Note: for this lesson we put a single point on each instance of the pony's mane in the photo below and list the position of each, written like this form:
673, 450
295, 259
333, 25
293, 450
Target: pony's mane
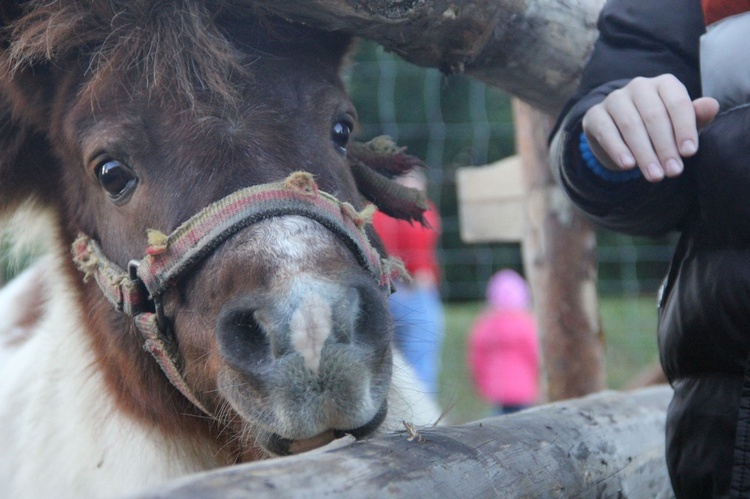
178, 48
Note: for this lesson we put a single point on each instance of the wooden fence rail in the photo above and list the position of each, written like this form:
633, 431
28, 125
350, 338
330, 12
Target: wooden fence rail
610, 444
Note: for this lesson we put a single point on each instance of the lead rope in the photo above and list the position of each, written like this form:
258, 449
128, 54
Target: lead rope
138, 291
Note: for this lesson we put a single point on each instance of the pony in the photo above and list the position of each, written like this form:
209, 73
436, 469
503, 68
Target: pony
213, 292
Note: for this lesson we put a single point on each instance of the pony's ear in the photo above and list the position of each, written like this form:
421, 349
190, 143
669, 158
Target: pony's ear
28, 91
32, 44
25, 100
27, 168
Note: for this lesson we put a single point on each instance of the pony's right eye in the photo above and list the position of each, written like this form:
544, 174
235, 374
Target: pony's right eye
115, 178
340, 132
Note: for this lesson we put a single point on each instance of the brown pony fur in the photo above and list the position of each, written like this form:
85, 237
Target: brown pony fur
184, 52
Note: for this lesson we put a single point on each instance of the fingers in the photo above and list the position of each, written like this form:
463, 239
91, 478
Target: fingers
651, 123
605, 140
682, 118
643, 121
706, 109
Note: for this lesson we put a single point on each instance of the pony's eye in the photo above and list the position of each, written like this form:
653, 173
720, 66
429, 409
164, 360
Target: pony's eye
340, 134
116, 178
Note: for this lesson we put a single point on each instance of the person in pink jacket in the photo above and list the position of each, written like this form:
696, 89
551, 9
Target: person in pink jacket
503, 346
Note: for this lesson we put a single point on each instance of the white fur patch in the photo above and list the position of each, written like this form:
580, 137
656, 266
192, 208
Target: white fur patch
19, 301
408, 399
309, 328
62, 435
294, 239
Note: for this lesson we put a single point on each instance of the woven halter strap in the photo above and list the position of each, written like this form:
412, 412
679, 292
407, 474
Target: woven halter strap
137, 292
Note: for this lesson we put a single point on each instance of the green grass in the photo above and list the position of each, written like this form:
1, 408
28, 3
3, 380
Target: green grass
629, 325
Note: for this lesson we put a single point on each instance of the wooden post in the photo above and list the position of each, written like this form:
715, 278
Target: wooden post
605, 445
559, 251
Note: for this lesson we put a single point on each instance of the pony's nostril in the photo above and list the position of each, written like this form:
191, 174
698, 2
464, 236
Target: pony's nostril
242, 341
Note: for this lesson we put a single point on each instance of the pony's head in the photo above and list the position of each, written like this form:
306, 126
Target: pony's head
196, 156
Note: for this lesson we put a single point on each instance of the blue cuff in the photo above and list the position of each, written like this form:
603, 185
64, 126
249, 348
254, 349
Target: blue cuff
598, 169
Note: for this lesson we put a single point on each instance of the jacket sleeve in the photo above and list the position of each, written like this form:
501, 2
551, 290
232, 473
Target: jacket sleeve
636, 38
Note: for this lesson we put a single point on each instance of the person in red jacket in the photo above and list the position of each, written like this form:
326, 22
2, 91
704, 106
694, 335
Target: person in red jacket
416, 306
503, 346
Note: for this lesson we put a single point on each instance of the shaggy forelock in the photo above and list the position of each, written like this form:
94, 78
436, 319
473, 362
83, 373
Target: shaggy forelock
174, 47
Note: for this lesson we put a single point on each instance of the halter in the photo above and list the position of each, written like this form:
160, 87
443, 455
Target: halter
138, 291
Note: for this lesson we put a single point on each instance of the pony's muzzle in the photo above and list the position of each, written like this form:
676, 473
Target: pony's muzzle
310, 361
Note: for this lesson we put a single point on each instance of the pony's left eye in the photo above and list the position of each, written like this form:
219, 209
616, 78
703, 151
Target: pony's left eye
115, 178
340, 133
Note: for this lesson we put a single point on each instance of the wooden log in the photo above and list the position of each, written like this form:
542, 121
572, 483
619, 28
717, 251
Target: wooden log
533, 49
559, 252
610, 444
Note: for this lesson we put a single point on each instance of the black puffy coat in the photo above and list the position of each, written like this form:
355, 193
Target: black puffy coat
704, 312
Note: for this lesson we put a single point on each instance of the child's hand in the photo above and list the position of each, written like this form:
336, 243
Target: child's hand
650, 123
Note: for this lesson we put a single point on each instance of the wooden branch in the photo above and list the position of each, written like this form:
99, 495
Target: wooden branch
609, 444
533, 49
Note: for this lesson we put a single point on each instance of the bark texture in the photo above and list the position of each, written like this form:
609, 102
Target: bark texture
606, 445
533, 49
559, 251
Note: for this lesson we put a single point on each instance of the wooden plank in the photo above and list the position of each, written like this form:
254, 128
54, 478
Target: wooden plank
491, 202
610, 444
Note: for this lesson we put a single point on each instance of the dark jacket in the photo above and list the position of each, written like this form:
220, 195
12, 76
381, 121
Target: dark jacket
704, 312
